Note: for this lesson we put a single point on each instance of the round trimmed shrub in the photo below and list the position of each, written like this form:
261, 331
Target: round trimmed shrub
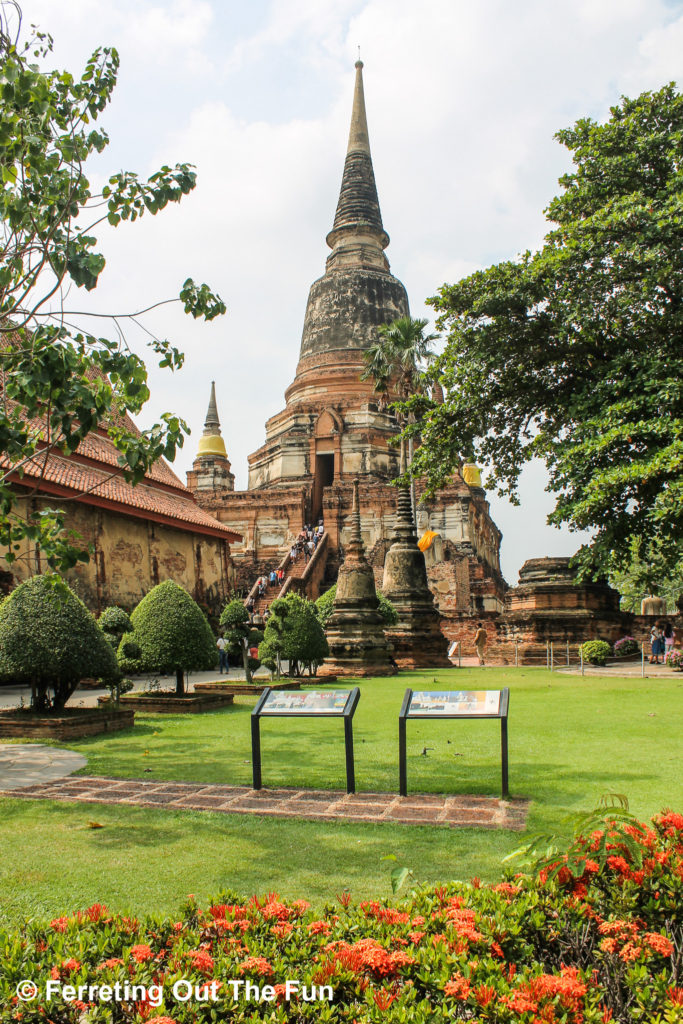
172, 634
295, 632
49, 639
324, 607
596, 652
129, 654
114, 622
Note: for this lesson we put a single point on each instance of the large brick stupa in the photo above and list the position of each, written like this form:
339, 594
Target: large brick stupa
332, 430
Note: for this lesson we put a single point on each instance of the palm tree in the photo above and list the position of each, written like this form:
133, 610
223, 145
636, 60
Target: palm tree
396, 361
398, 357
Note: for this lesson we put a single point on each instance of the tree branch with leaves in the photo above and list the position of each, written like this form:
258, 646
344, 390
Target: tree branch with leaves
59, 382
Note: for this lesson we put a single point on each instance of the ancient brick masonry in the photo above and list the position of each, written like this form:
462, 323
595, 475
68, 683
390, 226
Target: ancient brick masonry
333, 428
417, 638
355, 633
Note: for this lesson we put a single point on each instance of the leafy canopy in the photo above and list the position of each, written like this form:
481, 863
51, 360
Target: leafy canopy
294, 632
573, 354
60, 381
49, 638
172, 632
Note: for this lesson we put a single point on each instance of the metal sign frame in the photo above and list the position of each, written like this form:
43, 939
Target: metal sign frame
404, 715
347, 714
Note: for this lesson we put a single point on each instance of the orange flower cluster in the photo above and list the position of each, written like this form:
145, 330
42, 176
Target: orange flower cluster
141, 953
628, 941
258, 965
202, 961
369, 955
387, 914
458, 987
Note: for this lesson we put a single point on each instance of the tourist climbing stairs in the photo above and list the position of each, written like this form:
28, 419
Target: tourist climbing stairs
298, 577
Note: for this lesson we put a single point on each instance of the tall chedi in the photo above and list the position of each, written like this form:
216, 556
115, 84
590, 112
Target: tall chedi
331, 429
211, 468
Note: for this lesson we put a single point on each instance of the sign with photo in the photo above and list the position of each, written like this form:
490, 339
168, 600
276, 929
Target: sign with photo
314, 702
449, 703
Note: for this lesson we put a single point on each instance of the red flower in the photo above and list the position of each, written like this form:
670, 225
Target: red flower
319, 928
484, 994
257, 964
109, 964
675, 995
202, 961
141, 953
383, 999
458, 987
60, 924
659, 943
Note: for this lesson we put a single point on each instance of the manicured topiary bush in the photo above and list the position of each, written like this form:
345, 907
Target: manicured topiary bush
114, 622
596, 652
324, 607
172, 634
49, 639
240, 635
129, 655
295, 632
598, 941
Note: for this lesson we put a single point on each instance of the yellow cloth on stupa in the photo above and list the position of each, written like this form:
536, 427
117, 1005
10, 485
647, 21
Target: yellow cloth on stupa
426, 540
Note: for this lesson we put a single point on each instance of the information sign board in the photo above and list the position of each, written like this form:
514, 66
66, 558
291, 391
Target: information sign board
310, 704
314, 702
454, 703
477, 704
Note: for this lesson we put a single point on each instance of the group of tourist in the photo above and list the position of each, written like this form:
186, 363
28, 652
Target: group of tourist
662, 641
307, 541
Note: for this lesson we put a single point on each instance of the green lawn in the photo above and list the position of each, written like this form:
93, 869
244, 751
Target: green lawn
571, 740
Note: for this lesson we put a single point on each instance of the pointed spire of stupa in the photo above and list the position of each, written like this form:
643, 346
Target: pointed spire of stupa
355, 540
404, 506
211, 443
212, 425
358, 214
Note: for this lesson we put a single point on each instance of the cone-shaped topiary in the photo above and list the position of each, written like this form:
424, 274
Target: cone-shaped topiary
49, 638
173, 634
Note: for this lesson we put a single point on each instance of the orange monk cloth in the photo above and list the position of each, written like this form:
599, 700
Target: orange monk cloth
426, 540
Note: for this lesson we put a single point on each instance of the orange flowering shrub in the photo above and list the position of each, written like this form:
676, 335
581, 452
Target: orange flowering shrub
594, 938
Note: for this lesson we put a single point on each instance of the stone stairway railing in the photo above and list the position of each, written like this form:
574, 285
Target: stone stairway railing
296, 579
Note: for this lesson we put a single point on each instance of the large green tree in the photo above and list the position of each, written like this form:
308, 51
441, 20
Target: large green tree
60, 382
574, 354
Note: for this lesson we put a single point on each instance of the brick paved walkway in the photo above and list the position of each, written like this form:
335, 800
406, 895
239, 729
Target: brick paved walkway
314, 805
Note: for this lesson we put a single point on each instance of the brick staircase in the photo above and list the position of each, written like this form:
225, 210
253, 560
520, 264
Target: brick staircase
298, 576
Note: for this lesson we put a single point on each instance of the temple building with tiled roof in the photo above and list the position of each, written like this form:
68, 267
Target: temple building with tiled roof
333, 429
139, 535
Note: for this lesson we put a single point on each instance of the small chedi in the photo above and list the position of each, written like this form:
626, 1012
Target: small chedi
355, 633
416, 638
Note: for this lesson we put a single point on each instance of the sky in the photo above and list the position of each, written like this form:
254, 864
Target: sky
463, 100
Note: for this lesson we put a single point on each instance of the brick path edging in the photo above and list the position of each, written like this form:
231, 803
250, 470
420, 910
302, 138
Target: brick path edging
311, 805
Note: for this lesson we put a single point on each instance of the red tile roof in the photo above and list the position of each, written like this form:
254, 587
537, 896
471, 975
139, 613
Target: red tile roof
100, 485
92, 475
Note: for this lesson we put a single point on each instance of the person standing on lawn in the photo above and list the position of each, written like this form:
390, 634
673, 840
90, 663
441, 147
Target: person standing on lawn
480, 642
